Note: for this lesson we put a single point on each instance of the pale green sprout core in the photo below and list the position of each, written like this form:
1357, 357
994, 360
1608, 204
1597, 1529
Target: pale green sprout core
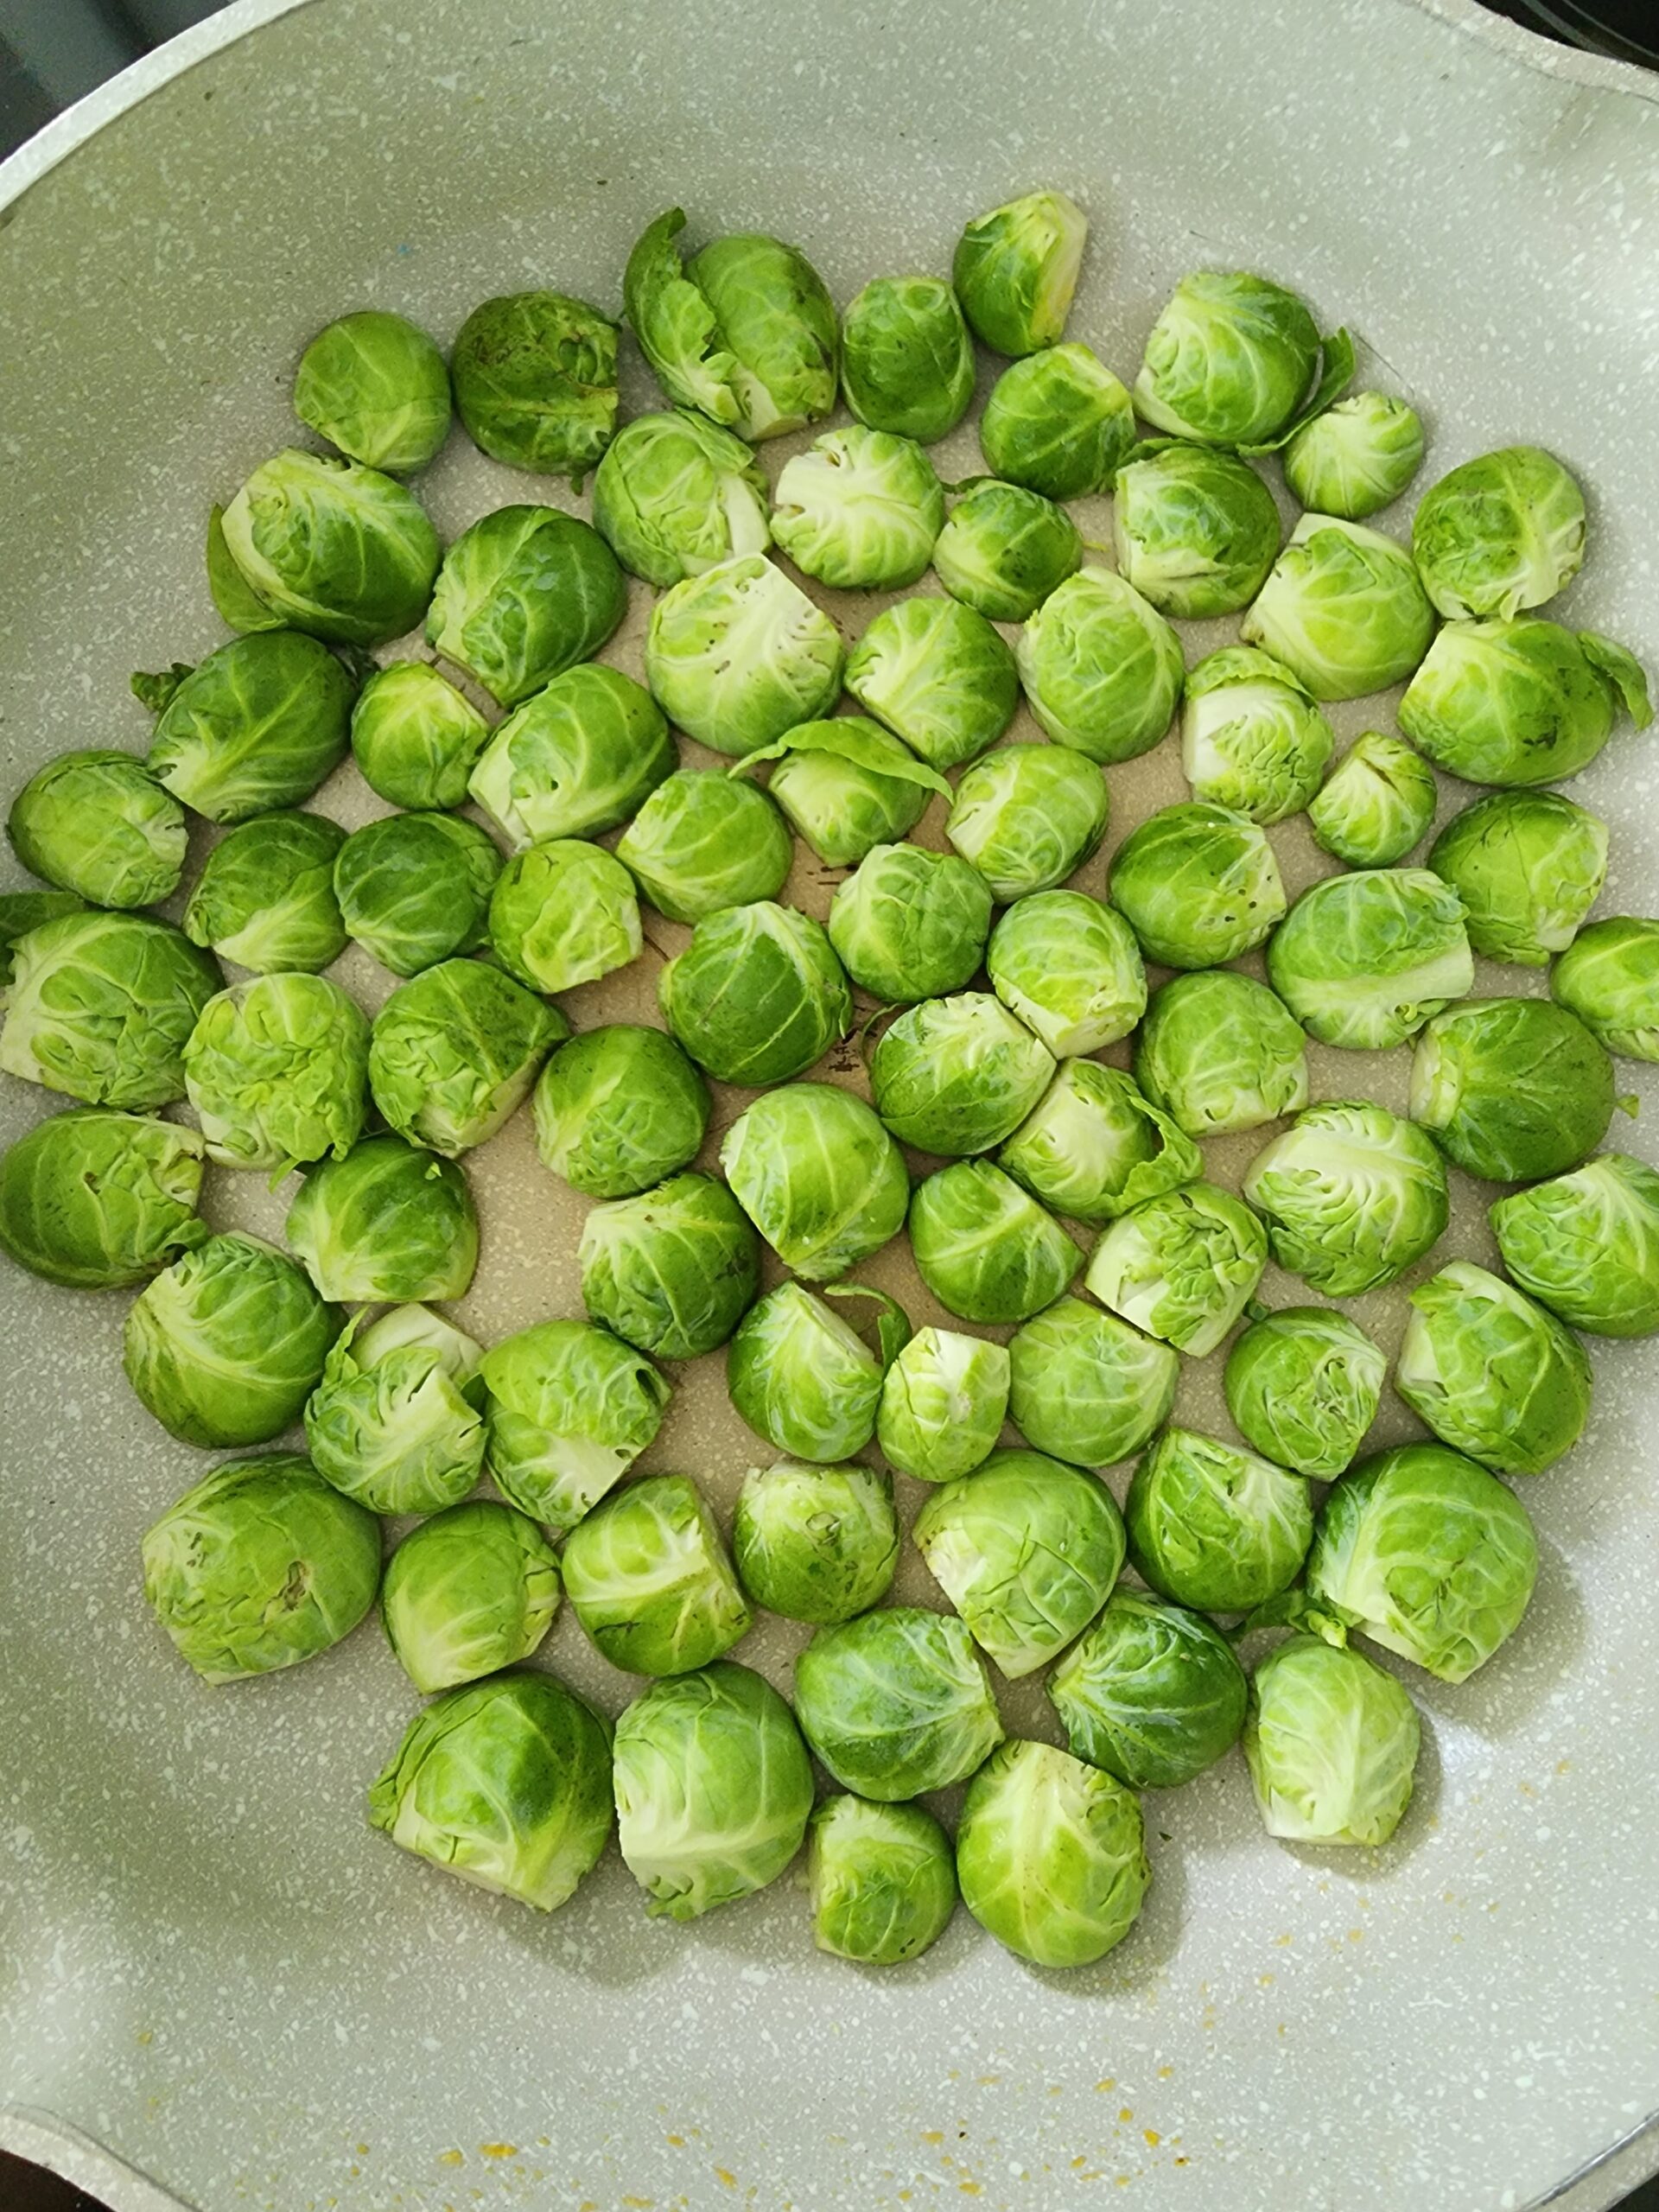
414, 888
1365, 959
454, 1052
1218, 1052
1587, 1244
98, 822
1228, 361
376, 386
1520, 702
1026, 816
1086, 1386
1214, 1528
523, 594
1351, 1196
1015, 270
819, 1177
332, 548
1376, 803
1151, 1693
650, 1582
1196, 530
736, 655
1070, 968
1182, 1266
1057, 422
806, 1380
1492, 1373
672, 1270
1003, 550
1512, 1089
957, 1075
1303, 1386
569, 1408
985, 1248
701, 842
564, 913
265, 896
816, 1544
257, 725
897, 1702
534, 376
1093, 1145
394, 1422
618, 1109
846, 786
859, 510
95, 1198
1050, 1855
1609, 977
1342, 609
910, 923
389, 1221
757, 996
906, 359
278, 1071
101, 1007
1331, 1745
882, 1880
577, 759
943, 1401
1501, 533
1528, 866
469, 1592
937, 675
1356, 458
675, 495
1101, 667
415, 737
1251, 737
1198, 884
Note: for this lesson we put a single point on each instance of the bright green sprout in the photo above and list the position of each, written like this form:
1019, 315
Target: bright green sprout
1214, 1528
1093, 1146
375, 386
816, 1544
1492, 1373
804, 1379
98, 823
1528, 866
334, 548
389, 1222
523, 594
1585, 1244
675, 494
1218, 1052
1609, 977
671, 1271
394, 1422
256, 726
1015, 270
757, 996
882, 1880
984, 1246
906, 359
957, 1075
1086, 1387
414, 888
277, 1070
564, 913
454, 1052
897, 1702
1228, 361
1050, 1855
1303, 1386
1501, 533
1004, 549
1521, 702
1365, 959
1251, 737
1331, 1743
1182, 1266
1027, 816
818, 1176
534, 376
1070, 969
846, 786
909, 923
96, 1199
1101, 667
1351, 1196
469, 1592
1357, 457
1198, 884
1058, 422
943, 1401
1196, 530
1512, 1089
937, 675
739, 654
650, 1582
859, 510
569, 1409
618, 1109
701, 842
1152, 1694
265, 896
1376, 803
578, 757
101, 1007
1344, 610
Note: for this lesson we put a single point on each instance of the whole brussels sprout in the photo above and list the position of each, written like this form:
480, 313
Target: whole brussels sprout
504, 1783
256, 726
882, 1880
1492, 1373
1026, 816
1218, 1052
1251, 737
98, 822
1070, 969
860, 509
672, 1271
816, 1544
258, 1566
1092, 1146
1364, 959
1213, 1528
986, 1249
745, 332
909, 923
523, 594
714, 1789
1198, 884
1343, 611
101, 1006
701, 842
804, 1379
375, 386
1303, 1386
1587, 1244
394, 1421
1609, 977
389, 1222
1050, 1855
569, 1409
650, 1579
535, 378
1101, 668
1003, 550
818, 1176
1196, 530
414, 888
1057, 422
1351, 1195
1357, 457
564, 913
1522, 701
96, 1199
846, 787
1376, 803
957, 1075
1501, 533
265, 896
757, 996
1511, 1089
943, 1401
906, 359
1015, 269
278, 1070
1182, 1266
23, 910
937, 676
471, 1591
675, 495
1086, 1387
896, 1702
453, 1053
738, 654
1229, 360
340, 551
1528, 866
227, 1344
577, 758
618, 1109
1151, 1693
1331, 1743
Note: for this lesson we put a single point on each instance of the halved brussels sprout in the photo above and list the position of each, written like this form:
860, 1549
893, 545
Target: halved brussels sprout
1151, 1693
337, 549
414, 888
909, 923
944, 1402
375, 385
1364, 959
957, 1075
570, 1408
1501, 533
388, 1222
534, 376
1092, 1146
757, 996
257, 725
1251, 737
1196, 530
701, 842
1587, 1244
650, 1582
1528, 866
1492, 1373
1070, 969
671, 1271
471, 1591
1182, 1266
1003, 550
1351, 1196
818, 1176
618, 1109
806, 1380
846, 786
1331, 1743
1520, 703
96, 1199
564, 913
1303, 1386
937, 676
1198, 884
906, 359
1609, 976
578, 757
525, 593
265, 896
101, 1007
1376, 803
1344, 610
278, 1070
738, 654
1213, 1528
1218, 1052
896, 1702
675, 495
1228, 361
23, 910
1086, 1387
1026, 816
816, 1544
453, 1053
1057, 422
1016, 268
985, 1248
1355, 457
882, 1880
860, 509
1512, 1089
98, 823
1101, 668
1050, 1855
394, 1421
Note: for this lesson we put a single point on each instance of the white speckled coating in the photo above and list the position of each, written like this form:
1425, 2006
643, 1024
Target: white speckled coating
208, 1963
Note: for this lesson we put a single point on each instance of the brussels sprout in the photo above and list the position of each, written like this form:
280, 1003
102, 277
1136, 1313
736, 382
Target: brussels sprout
896, 1702
1331, 1743
536, 382
564, 913
1609, 977
1196, 530
1587, 1244
454, 1052
1512, 1089
97, 1200
504, 1782
1050, 1855
1351, 1195
570, 1408
1376, 803
1151, 1693
804, 1379
1251, 737
714, 1789
394, 1422
1500, 533
1229, 360
673, 1271
1212, 1528
984, 1247
337, 549
1492, 1373
265, 896
738, 654
650, 1579
745, 332
1520, 703
227, 1345
1343, 611
1218, 1051
1058, 422
1003, 550
943, 1401
957, 1075
882, 1880
1365, 959
278, 1070
1182, 1266
256, 726
618, 1109
937, 676
1092, 1146
1026, 816
235, 600
578, 757
414, 888
675, 494
1016, 268
860, 509
471, 1591
816, 1543
906, 359
1303, 1386
388, 1222
848, 787
1086, 1387
1070, 969
1357, 457
757, 996
909, 923
701, 842
100, 1006
1198, 884
97, 823
818, 1176
525, 593
1528, 866
258, 1566
24, 911
375, 386
1101, 668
